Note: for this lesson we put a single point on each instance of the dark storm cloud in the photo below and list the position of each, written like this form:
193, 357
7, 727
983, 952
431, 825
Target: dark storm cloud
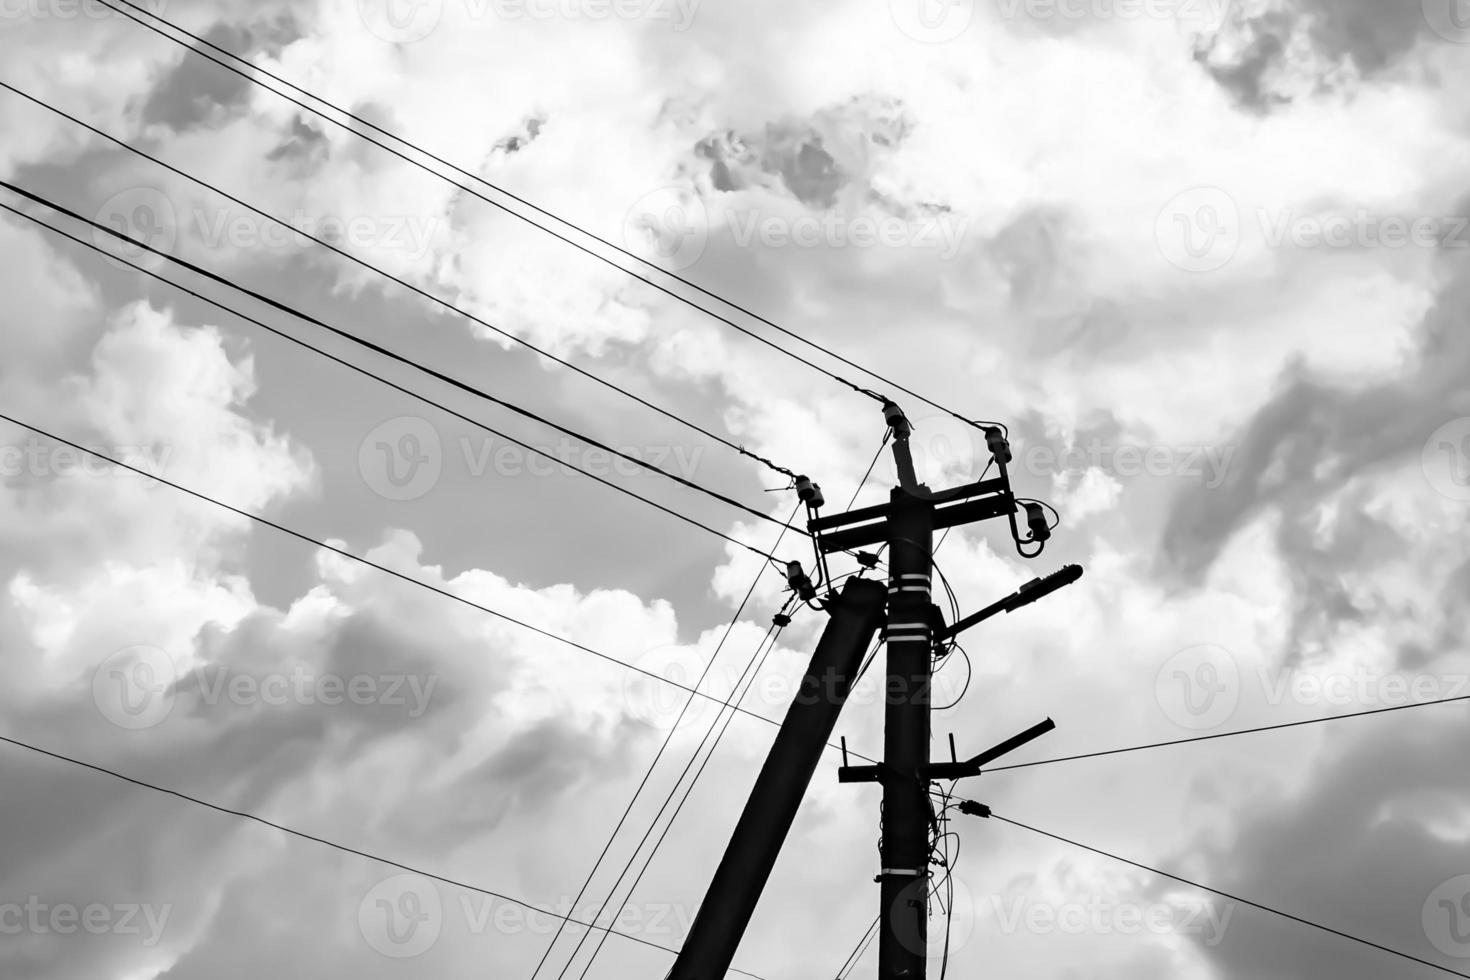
1314, 437
1369, 35
1350, 852
198, 91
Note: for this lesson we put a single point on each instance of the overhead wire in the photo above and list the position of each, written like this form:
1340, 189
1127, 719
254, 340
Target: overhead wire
325, 842
395, 357
1230, 734
253, 76
663, 747
752, 671
402, 576
418, 290
1234, 898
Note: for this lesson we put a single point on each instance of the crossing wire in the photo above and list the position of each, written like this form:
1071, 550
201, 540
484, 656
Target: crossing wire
393, 356
253, 77
632, 859
622, 820
345, 849
856, 955
752, 671
404, 577
199, 182
1235, 898
1232, 734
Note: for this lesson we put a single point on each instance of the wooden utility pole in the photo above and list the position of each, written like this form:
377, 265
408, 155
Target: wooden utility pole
904, 879
906, 524
856, 612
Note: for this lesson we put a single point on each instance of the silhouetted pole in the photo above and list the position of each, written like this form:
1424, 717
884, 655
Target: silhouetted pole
856, 613
904, 877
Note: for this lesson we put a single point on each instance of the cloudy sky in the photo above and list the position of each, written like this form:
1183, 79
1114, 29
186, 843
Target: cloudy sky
1208, 259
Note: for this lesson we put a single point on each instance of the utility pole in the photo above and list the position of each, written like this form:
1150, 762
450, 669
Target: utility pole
904, 879
856, 613
914, 630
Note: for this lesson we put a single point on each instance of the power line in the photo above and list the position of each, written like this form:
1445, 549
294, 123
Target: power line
1236, 898
1244, 731
365, 561
395, 386
856, 955
674, 416
596, 865
752, 670
395, 356
252, 77
283, 828
300, 536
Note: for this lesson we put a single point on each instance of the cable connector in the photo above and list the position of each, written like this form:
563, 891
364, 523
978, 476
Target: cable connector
1036, 521
897, 421
799, 582
781, 620
810, 493
867, 559
998, 445
974, 809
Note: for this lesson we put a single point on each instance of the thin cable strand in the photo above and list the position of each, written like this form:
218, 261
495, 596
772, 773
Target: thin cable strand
394, 356
391, 384
1236, 898
252, 77
674, 416
283, 828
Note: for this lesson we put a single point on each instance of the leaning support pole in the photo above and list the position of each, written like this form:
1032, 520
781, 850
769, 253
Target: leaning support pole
856, 612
